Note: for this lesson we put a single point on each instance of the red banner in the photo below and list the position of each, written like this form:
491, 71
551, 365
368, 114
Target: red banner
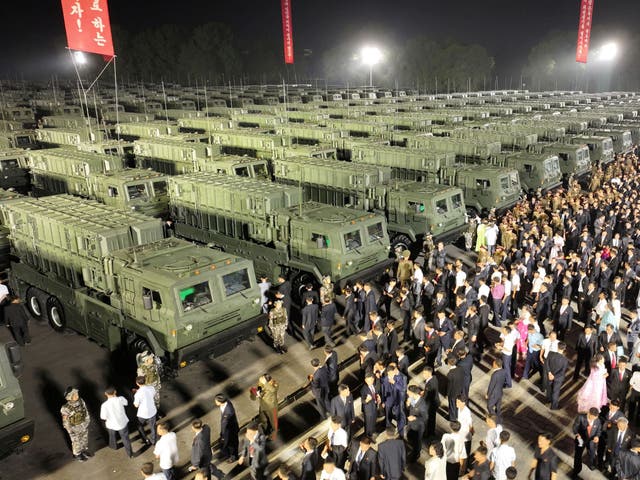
287, 31
87, 25
584, 30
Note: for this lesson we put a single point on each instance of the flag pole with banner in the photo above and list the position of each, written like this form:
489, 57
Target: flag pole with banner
584, 30
287, 31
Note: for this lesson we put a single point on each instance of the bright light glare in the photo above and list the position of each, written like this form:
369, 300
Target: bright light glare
371, 55
80, 58
608, 52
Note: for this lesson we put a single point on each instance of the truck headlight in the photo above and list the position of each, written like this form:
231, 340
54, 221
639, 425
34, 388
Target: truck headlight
349, 263
257, 301
188, 328
7, 407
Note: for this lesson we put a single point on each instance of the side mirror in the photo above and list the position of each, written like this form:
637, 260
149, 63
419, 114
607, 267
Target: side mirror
147, 302
15, 358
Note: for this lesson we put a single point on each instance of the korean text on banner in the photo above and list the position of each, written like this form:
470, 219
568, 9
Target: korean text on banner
287, 31
87, 25
584, 30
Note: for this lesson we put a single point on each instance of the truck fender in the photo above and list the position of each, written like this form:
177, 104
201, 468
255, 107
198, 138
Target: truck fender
305, 267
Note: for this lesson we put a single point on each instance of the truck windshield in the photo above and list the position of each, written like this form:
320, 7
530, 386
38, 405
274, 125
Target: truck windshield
550, 167
7, 164
504, 183
160, 188
236, 282
195, 296
607, 145
515, 179
137, 191
456, 201
441, 206
352, 240
375, 232
260, 171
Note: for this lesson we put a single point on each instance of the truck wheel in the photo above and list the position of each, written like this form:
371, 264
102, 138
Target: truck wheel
399, 244
34, 304
139, 345
57, 319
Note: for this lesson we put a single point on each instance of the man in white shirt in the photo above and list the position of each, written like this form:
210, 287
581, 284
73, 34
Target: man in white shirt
337, 442
166, 451
147, 472
330, 471
454, 452
492, 439
143, 400
116, 420
466, 422
508, 338
502, 457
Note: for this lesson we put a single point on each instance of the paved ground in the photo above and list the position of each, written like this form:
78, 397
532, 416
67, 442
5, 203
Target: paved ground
54, 361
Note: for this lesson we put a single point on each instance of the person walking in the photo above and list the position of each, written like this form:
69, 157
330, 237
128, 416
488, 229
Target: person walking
545, 461
201, 455
587, 429
253, 452
76, 420
327, 319
267, 392
278, 322
229, 429
150, 369
143, 400
166, 451
116, 420
16, 319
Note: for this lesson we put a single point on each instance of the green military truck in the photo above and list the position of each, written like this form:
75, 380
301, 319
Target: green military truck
16, 430
412, 209
18, 139
135, 130
100, 177
484, 187
269, 223
537, 171
111, 276
600, 148
68, 136
14, 171
574, 159
174, 157
5, 244
621, 137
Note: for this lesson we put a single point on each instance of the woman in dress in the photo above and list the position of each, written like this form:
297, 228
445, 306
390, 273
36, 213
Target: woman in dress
436, 467
522, 325
594, 391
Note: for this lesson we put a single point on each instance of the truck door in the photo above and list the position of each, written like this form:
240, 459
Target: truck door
297, 240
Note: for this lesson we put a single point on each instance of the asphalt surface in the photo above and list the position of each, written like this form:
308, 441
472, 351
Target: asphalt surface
54, 361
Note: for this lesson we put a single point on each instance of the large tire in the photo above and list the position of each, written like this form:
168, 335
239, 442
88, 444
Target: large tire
33, 299
399, 244
55, 312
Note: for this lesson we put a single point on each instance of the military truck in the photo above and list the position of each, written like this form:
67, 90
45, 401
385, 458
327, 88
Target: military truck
574, 159
68, 136
463, 149
16, 431
484, 187
13, 169
111, 276
135, 130
5, 245
537, 171
18, 139
621, 137
412, 209
600, 148
270, 223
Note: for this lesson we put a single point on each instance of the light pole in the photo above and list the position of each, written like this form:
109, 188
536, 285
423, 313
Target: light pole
371, 56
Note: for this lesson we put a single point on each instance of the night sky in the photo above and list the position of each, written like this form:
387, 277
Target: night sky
32, 36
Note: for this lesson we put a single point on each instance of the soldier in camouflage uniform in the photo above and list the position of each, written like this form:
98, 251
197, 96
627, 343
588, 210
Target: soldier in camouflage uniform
148, 369
75, 420
327, 289
278, 326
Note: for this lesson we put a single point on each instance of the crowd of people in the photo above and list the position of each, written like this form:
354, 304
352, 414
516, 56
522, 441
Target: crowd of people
555, 287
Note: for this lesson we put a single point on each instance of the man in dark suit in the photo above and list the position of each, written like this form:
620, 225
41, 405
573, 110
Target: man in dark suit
310, 314
618, 439
201, 447
587, 429
342, 406
350, 312
327, 319
370, 400
629, 461
369, 306
310, 460
229, 428
586, 349
253, 453
331, 362
618, 382
416, 422
608, 421
431, 394
557, 365
320, 386
496, 388
418, 333
363, 460
610, 353
563, 318
431, 344
455, 386
391, 456
309, 292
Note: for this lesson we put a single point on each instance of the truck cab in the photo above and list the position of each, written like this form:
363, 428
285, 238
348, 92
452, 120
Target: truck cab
600, 148
485, 188
622, 141
14, 171
574, 159
537, 171
143, 191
